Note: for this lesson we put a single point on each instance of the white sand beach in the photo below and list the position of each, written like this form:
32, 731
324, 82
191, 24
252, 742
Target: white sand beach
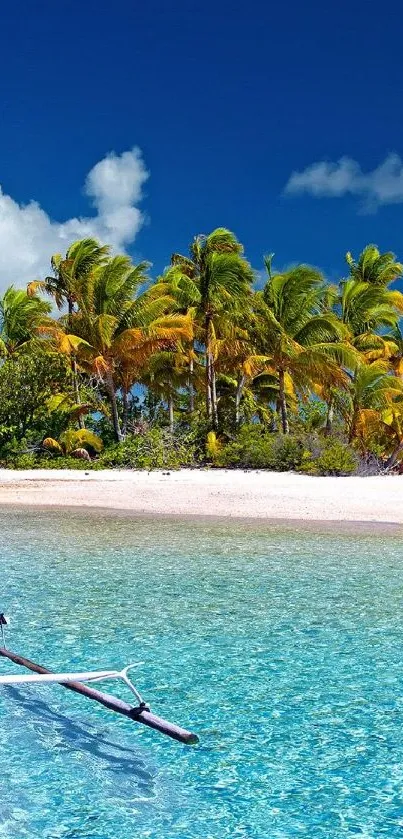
253, 495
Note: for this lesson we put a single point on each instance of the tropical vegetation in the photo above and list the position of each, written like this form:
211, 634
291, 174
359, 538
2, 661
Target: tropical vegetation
103, 365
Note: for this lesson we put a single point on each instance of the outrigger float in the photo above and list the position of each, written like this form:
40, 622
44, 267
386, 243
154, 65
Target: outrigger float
140, 713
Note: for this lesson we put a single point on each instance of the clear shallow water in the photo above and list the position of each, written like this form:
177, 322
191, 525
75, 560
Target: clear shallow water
282, 649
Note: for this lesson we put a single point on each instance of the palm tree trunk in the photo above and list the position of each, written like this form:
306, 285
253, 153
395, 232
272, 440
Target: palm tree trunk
125, 417
171, 408
238, 397
329, 417
353, 426
208, 389
191, 388
214, 396
70, 305
110, 386
283, 405
81, 423
209, 396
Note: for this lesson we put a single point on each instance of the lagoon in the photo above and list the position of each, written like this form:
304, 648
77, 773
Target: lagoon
282, 647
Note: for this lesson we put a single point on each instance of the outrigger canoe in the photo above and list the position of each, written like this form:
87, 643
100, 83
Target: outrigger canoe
78, 682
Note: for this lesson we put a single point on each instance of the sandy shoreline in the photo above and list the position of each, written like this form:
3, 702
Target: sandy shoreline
218, 493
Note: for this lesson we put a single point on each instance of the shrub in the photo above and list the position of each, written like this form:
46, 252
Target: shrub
27, 385
64, 463
287, 453
256, 448
39, 461
252, 448
79, 443
335, 458
213, 446
21, 461
155, 449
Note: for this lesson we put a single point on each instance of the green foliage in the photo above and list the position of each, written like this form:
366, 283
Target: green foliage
215, 283
79, 443
73, 439
66, 462
154, 449
36, 460
374, 267
213, 446
27, 383
20, 461
20, 315
256, 448
312, 416
70, 271
334, 458
287, 453
200, 367
251, 449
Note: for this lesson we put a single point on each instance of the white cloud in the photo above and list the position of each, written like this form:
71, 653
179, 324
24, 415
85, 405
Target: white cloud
28, 236
383, 185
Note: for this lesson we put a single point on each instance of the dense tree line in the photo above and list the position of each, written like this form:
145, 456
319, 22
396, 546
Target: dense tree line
201, 351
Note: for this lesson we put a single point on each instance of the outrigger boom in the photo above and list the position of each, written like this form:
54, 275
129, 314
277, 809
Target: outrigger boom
75, 682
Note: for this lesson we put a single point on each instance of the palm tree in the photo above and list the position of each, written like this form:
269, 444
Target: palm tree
374, 267
217, 279
372, 391
70, 271
117, 331
368, 309
20, 316
395, 339
237, 361
304, 341
63, 286
183, 291
166, 372
79, 444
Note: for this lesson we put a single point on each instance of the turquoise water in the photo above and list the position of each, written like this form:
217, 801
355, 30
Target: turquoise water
282, 649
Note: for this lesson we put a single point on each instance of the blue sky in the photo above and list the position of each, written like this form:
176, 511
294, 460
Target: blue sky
225, 102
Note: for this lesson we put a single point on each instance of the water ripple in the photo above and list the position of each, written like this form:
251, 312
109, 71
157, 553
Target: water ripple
281, 648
